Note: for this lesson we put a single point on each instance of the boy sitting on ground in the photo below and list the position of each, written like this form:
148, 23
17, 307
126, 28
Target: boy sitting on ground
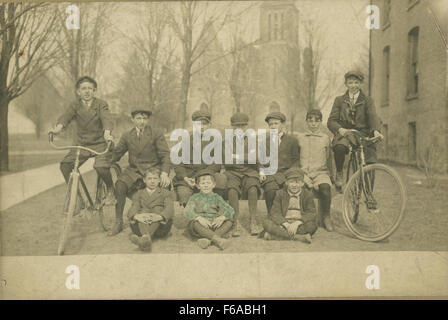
152, 211
293, 214
210, 216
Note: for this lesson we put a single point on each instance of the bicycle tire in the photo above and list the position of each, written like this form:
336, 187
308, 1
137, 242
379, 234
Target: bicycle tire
68, 214
353, 167
397, 187
106, 216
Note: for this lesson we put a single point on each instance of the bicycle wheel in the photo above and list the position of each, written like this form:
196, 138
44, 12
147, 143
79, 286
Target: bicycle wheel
352, 167
374, 208
106, 213
69, 208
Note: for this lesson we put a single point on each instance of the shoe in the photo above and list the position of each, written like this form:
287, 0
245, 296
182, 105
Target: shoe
221, 243
339, 179
236, 230
328, 224
135, 239
116, 228
110, 198
145, 243
306, 238
255, 228
267, 236
204, 243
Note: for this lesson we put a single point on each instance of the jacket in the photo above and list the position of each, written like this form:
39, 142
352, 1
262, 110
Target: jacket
161, 201
281, 204
148, 151
364, 118
90, 123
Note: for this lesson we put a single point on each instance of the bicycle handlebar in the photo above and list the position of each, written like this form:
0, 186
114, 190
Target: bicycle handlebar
372, 139
51, 137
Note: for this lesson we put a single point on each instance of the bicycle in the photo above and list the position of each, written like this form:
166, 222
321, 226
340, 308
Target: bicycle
374, 197
106, 217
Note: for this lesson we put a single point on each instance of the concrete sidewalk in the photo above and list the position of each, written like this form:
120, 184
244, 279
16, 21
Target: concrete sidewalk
20, 186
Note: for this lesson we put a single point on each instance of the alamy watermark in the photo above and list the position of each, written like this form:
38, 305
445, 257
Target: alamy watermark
212, 152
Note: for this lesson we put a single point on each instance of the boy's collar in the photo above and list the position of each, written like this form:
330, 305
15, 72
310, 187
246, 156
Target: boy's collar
310, 133
294, 194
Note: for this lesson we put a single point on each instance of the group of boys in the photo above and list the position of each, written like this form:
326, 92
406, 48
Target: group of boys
303, 172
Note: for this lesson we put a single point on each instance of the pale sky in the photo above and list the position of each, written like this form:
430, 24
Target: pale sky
341, 23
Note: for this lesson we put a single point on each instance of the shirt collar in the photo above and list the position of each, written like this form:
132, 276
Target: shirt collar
355, 96
317, 134
294, 194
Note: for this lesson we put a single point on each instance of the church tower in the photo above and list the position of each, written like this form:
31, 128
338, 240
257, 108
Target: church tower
279, 38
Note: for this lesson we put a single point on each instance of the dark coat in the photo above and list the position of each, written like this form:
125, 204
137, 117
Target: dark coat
190, 170
148, 151
90, 123
288, 152
281, 204
161, 201
365, 118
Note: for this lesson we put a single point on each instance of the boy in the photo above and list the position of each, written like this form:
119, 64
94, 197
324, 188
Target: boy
315, 161
242, 178
93, 126
152, 211
288, 156
293, 214
210, 216
184, 181
353, 110
147, 148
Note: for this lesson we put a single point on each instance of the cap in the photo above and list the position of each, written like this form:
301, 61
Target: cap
357, 74
203, 172
314, 112
239, 118
294, 172
201, 115
275, 115
141, 110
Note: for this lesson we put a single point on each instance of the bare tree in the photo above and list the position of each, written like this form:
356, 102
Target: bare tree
81, 49
309, 85
27, 52
196, 25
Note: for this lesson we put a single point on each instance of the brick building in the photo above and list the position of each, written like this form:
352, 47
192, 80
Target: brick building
408, 74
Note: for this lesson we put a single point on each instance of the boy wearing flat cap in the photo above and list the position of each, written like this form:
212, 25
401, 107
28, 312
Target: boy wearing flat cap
184, 181
288, 156
242, 178
353, 110
147, 148
94, 126
210, 216
293, 214
315, 161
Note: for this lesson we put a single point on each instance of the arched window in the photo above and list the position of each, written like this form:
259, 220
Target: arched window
413, 62
203, 107
386, 74
275, 26
269, 26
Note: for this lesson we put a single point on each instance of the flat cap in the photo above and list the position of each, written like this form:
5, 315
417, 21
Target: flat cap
146, 111
293, 173
275, 115
239, 118
199, 115
204, 172
356, 74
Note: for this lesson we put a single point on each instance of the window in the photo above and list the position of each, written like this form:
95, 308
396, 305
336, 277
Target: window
413, 62
282, 27
385, 132
274, 106
275, 26
269, 26
386, 75
386, 15
412, 142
